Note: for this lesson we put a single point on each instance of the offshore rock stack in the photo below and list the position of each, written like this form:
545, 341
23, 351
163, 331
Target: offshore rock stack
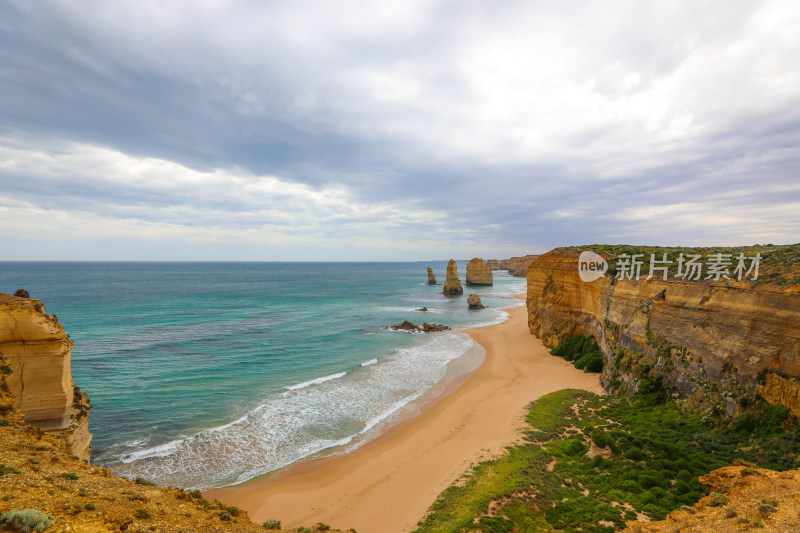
478, 273
431, 277
452, 283
474, 302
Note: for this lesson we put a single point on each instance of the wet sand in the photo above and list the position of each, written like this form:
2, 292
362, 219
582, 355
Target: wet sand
387, 485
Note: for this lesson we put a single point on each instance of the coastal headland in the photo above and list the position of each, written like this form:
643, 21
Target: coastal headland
388, 484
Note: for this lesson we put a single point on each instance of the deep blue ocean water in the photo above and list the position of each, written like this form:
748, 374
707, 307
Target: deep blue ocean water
208, 374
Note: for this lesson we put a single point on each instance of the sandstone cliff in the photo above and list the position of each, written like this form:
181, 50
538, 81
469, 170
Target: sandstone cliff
518, 266
493, 264
715, 343
503, 264
38, 354
431, 277
478, 273
452, 283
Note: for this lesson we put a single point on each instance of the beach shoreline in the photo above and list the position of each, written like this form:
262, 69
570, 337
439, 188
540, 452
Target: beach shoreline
388, 483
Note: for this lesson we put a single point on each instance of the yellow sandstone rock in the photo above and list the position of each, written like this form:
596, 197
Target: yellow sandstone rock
431, 277
452, 284
478, 273
38, 352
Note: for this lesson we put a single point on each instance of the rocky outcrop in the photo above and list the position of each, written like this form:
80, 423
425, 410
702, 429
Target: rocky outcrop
478, 273
426, 327
431, 277
742, 498
503, 264
518, 266
711, 342
22, 293
452, 283
38, 354
493, 264
474, 302
781, 389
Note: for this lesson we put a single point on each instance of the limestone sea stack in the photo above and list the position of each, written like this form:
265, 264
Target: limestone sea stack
493, 264
503, 264
452, 283
478, 273
431, 277
37, 353
474, 302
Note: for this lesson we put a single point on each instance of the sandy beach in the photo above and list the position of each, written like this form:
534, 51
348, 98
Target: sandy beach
387, 485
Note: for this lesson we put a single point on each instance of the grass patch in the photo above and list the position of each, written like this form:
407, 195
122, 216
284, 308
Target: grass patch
549, 483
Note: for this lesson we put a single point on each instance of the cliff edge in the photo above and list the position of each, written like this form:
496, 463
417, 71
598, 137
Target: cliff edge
37, 352
715, 343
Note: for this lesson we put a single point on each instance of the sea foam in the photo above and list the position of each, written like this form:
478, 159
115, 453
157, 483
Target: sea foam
306, 419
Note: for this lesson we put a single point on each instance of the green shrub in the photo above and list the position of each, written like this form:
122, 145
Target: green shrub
143, 481
143, 514
582, 351
225, 515
602, 438
717, 500
5, 370
8, 470
272, 524
635, 454
70, 475
574, 447
4, 422
25, 521
495, 524
90, 507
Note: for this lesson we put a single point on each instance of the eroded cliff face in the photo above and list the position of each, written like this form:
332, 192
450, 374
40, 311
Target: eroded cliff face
38, 353
713, 343
518, 266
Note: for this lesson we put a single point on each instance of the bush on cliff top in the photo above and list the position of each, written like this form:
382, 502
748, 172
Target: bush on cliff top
25, 521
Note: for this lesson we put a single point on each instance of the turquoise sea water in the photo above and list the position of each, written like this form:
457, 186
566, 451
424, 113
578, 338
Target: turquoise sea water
209, 374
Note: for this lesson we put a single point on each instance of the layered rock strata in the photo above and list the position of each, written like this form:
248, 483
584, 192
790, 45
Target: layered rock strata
431, 277
38, 353
493, 264
452, 283
478, 273
714, 343
503, 263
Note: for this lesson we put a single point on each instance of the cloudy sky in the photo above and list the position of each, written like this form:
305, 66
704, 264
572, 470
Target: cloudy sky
394, 130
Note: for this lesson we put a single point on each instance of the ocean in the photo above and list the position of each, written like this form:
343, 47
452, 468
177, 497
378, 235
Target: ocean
209, 374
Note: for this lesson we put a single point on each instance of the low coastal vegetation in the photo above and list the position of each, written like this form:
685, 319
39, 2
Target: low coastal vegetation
591, 463
582, 351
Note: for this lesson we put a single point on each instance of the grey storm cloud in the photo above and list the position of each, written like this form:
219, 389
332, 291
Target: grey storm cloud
449, 127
